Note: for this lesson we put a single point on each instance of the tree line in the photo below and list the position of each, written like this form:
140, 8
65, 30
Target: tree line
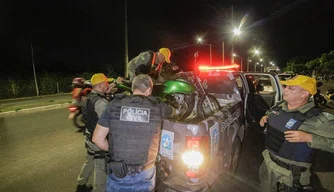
47, 83
322, 65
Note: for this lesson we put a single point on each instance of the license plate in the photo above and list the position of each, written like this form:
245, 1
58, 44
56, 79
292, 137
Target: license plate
71, 116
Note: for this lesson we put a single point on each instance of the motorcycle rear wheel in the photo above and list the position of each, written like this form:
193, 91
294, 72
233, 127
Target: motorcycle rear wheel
78, 120
190, 108
203, 107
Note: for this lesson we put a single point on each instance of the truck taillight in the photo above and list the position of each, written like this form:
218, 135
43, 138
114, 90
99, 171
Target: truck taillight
193, 143
200, 143
196, 152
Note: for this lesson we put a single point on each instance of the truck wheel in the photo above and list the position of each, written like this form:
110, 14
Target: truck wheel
203, 108
235, 156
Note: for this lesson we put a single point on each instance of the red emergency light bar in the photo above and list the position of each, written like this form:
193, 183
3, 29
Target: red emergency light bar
208, 68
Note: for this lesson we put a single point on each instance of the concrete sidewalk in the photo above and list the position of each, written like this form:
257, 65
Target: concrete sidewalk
31, 104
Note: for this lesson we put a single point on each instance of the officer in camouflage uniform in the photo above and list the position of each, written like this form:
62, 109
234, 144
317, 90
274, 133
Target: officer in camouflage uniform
133, 124
295, 128
148, 61
92, 109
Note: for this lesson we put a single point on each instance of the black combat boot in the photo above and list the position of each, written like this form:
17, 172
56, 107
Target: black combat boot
84, 188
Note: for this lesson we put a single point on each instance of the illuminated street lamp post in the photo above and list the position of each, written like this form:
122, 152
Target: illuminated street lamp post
235, 55
256, 52
248, 61
200, 40
257, 63
236, 33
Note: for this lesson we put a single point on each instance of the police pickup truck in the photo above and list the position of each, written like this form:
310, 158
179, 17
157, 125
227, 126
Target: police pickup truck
193, 153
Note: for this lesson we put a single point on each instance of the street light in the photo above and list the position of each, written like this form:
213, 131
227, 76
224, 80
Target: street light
257, 63
236, 32
235, 55
200, 40
248, 61
256, 52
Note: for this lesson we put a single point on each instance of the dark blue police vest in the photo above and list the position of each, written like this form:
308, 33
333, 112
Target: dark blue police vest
135, 127
280, 121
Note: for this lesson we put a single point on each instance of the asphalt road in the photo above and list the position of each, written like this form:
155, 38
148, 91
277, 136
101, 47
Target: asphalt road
246, 179
41, 151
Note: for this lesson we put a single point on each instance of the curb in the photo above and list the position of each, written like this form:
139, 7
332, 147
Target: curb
35, 109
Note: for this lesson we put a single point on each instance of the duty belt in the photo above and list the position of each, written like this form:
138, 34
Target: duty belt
288, 166
133, 169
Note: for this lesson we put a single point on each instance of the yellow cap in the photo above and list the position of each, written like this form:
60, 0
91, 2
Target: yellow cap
306, 82
166, 53
98, 78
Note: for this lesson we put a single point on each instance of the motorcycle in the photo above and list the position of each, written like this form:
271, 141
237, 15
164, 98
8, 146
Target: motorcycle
318, 97
76, 117
75, 110
330, 94
185, 92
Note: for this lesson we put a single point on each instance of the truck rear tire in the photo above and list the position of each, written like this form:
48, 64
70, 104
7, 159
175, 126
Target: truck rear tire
235, 156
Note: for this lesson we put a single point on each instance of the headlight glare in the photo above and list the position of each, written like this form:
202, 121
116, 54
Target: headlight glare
193, 158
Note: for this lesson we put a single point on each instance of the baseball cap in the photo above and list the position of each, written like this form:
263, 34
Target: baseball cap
98, 78
305, 82
166, 53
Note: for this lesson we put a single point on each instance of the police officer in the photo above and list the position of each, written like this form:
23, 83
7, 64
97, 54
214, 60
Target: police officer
133, 124
92, 109
148, 61
295, 128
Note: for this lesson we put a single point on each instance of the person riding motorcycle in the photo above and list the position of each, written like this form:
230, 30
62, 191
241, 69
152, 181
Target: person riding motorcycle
80, 89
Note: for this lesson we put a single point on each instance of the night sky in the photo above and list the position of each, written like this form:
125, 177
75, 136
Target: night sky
71, 36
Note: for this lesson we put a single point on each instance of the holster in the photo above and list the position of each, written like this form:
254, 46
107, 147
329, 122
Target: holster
118, 168
108, 169
297, 187
300, 188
